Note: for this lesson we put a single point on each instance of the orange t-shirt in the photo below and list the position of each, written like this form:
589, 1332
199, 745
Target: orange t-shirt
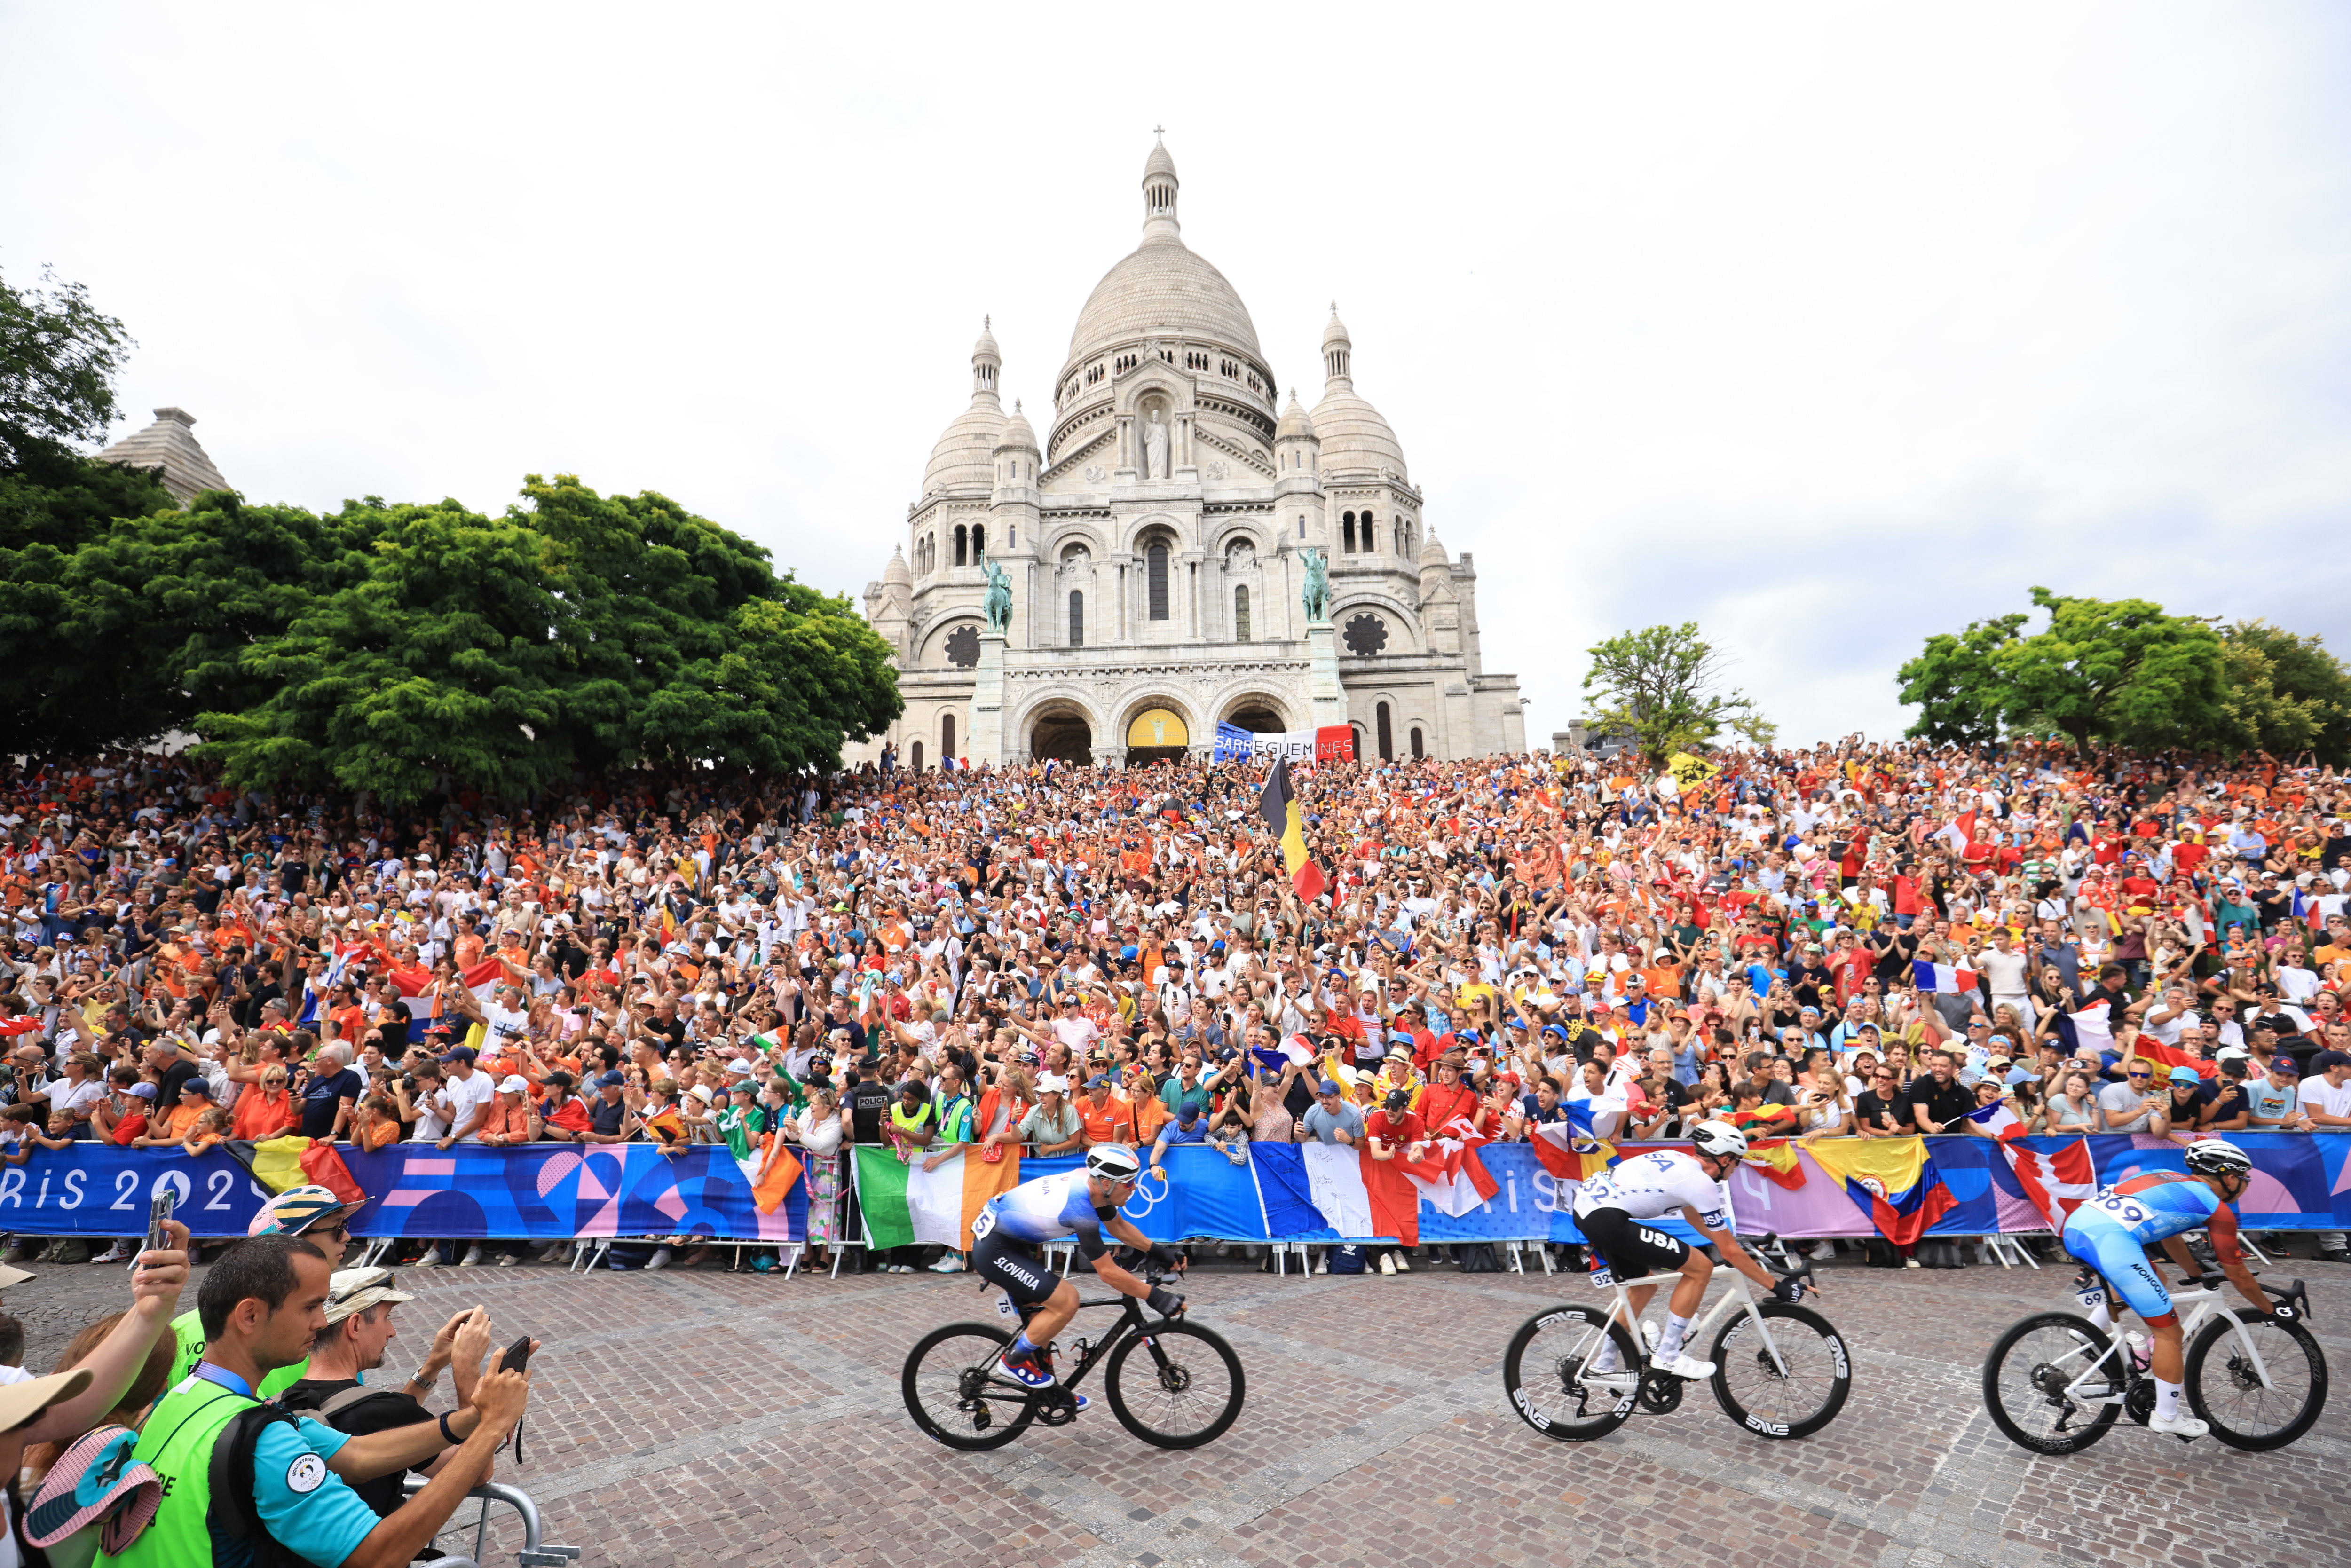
256, 1116
1111, 1122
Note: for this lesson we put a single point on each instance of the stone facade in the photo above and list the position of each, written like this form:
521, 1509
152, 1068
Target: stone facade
170, 443
1154, 543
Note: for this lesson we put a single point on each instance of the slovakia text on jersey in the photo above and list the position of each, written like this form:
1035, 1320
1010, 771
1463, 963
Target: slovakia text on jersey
1045, 1210
1655, 1183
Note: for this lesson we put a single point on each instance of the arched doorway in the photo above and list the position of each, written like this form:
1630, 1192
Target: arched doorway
1064, 735
1156, 734
1257, 718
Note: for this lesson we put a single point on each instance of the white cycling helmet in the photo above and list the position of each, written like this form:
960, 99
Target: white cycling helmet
1112, 1162
2218, 1156
1720, 1139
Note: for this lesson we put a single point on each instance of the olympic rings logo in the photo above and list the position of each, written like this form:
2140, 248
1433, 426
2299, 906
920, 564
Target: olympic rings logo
1149, 1200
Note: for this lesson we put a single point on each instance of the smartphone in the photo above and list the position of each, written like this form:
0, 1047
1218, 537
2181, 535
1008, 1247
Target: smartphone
158, 1211
517, 1356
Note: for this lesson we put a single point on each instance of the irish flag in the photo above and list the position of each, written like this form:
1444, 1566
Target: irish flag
905, 1204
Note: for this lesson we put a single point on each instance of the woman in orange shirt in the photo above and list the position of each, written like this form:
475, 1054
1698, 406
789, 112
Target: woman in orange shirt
265, 1110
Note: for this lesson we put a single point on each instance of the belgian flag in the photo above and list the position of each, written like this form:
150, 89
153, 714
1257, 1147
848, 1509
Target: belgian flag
1277, 804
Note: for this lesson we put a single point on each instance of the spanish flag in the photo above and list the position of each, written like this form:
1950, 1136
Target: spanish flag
1277, 804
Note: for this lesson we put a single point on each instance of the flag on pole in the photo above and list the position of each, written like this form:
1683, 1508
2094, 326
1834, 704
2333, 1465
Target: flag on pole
2056, 1183
1277, 804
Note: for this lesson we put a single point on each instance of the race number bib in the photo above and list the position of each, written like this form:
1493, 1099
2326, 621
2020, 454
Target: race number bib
982, 1224
1004, 1309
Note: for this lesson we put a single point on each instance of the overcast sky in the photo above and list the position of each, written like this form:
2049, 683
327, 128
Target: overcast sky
1826, 327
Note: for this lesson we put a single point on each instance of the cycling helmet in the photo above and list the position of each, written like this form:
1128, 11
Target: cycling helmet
2218, 1156
1112, 1162
297, 1210
1719, 1138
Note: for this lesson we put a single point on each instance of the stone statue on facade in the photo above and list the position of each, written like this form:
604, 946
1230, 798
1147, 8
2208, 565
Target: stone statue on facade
1155, 448
1318, 584
998, 605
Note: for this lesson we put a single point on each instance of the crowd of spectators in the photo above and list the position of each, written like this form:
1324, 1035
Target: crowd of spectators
1052, 957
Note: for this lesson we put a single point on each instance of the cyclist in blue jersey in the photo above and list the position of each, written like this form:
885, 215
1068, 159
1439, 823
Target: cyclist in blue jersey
2111, 1231
1007, 1234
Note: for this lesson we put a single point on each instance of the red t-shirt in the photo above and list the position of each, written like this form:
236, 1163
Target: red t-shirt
1395, 1131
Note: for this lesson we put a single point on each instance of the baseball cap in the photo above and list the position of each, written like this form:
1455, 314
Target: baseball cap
197, 1086
353, 1290
2232, 1053
2283, 1067
464, 1054
610, 1080
513, 1083
1326, 1087
1052, 1084
141, 1091
2326, 1059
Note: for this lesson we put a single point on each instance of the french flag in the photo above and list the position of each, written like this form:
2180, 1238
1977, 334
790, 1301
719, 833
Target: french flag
1942, 979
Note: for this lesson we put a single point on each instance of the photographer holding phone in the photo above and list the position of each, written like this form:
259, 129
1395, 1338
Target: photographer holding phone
359, 1309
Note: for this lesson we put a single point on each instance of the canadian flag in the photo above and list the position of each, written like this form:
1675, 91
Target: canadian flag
2056, 1183
1960, 832
1448, 1169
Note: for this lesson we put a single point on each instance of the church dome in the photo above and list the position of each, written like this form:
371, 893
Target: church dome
895, 574
1432, 553
1016, 435
1295, 425
966, 454
1355, 439
1163, 289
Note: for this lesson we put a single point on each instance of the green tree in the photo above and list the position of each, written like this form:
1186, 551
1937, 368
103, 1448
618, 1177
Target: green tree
58, 358
576, 631
2119, 671
143, 625
1955, 683
1656, 686
2285, 694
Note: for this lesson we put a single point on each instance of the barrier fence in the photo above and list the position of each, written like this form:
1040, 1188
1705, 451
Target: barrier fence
1310, 1193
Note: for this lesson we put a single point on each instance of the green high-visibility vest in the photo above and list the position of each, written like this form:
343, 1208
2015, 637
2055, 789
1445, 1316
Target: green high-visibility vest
177, 1442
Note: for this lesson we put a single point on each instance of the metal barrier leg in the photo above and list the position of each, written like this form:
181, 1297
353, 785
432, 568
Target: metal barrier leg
2245, 1239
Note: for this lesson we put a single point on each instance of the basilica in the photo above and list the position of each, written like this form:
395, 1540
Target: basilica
1157, 548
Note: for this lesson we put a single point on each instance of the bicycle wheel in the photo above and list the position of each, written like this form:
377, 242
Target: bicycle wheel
1793, 1394
1176, 1385
1543, 1370
954, 1393
2027, 1373
2225, 1390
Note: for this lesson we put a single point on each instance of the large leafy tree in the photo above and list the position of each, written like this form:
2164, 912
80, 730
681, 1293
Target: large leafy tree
58, 358
2286, 694
1657, 686
576, 631
2117, 671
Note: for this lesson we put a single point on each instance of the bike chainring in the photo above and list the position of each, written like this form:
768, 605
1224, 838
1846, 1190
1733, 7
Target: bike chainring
2139, 1403
1661, 1394
1056, 1408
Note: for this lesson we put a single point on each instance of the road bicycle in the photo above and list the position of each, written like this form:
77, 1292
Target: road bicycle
2056, 1383
1780, 1370
1169, 1381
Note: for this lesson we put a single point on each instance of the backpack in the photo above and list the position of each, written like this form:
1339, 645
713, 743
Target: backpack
1345, 1260
1477, 1258
232, 1485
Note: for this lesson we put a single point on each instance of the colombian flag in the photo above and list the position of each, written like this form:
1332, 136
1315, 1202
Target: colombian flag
1277, 804
1893, 1178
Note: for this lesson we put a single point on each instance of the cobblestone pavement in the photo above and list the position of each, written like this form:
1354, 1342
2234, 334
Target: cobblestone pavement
705, 1417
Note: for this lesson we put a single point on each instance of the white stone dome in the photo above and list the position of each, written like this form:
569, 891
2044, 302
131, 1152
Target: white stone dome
1016, 435
1163, 289
966, 454
1295, 424
1355, 439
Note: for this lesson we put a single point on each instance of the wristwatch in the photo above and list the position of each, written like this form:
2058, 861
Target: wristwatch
424, 1377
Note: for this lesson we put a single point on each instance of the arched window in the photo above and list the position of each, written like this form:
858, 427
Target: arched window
1349, 535
1416, 751
1387, 740
1359, 740
1241, 615
1156, 560
978, 543
1077, 619
1301, 525
916, 755
946, 738
1399, 536
959, 543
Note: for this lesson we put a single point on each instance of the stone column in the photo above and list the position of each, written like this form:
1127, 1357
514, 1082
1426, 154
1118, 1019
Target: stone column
1329, 698
988, 702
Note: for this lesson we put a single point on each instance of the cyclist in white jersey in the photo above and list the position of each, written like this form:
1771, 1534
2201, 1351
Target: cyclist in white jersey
1080, 1204
1609, 1208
